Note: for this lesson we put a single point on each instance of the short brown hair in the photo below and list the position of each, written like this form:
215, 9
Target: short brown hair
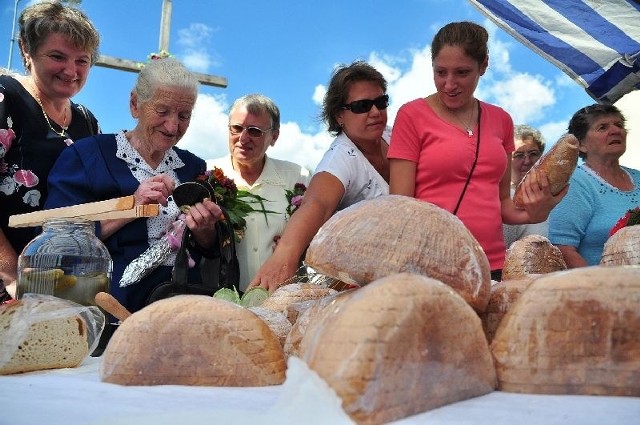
40, 20
473, 38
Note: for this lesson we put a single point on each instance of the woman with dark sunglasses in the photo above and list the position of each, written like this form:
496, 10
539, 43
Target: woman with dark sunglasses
58, 44
454, 151
354, 168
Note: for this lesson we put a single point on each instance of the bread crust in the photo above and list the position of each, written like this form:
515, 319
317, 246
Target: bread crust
399, 346
622, 248
41, 343
533, 254
194, 340
395, 234
558, 163
573, 332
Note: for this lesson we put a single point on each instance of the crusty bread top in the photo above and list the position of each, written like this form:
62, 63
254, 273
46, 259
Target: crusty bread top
394, 234
623, 247
532, 254
558, 163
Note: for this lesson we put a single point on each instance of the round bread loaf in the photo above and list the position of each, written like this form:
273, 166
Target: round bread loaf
558, 163
401, 345
194, 340
533, 254
38, 335
623, 247
394, 234
286, 295
573, 332
504, 295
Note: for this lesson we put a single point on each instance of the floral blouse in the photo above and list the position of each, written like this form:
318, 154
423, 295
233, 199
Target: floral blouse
29, 147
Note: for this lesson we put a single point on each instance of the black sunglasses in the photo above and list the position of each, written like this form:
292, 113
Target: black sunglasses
236, 129
364, 105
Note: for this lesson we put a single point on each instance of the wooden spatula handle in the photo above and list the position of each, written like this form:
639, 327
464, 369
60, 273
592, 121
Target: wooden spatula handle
112, 306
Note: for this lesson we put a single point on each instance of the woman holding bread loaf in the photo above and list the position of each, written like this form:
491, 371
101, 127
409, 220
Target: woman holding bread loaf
145, 163
354, 168
601, 190
455, 151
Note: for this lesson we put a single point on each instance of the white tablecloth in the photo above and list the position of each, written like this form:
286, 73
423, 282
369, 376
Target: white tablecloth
78, 397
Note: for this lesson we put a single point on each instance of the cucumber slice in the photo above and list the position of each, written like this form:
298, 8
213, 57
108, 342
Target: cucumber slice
254, 297
228, 294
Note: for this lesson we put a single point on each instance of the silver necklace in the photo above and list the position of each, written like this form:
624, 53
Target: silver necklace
468, 126
46, 117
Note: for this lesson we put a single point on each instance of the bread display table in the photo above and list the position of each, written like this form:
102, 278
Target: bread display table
78, 397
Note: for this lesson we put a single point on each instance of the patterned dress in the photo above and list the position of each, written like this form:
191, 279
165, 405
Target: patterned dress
28, 149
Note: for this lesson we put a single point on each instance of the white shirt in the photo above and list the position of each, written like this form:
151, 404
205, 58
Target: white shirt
257, 245
361, 181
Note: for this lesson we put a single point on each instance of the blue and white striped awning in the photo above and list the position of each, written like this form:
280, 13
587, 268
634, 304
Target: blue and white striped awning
595, 42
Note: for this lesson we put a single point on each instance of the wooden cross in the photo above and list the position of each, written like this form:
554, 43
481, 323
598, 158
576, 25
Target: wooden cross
165, 26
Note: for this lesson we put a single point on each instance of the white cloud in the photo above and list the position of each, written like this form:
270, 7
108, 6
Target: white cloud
194, 41
207, 133
524, 96
318, 94
630, 105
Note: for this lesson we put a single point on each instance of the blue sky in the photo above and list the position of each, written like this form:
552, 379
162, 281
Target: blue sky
287, 49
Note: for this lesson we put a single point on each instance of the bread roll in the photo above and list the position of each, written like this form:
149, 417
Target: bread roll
573, 332
623, 247
399, 346
504, 295
41, 334
533, 254
194, 340
393, 234
558, 163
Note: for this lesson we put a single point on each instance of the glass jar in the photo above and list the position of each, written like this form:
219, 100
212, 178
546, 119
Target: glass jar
67, 261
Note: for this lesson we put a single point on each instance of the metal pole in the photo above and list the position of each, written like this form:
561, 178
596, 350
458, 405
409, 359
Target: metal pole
13, 32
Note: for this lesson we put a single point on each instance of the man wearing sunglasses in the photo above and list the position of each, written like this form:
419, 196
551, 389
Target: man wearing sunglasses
529, 145
254, 126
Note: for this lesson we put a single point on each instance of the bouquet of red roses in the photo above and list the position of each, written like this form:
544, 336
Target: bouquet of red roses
631, 218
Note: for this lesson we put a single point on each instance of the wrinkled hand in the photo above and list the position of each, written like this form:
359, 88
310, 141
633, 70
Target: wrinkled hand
274, 272
201, 218
537, 198
155, 190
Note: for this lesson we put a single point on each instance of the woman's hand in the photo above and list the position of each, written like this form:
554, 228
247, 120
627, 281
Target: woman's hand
200, 219
275, 271
155, 190
537, 198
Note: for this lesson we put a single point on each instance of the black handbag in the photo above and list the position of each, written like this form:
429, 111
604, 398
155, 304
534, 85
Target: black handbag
224, 269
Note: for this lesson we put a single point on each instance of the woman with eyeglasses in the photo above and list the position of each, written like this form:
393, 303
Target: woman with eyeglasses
601, 190
58, 44
143, 162
354, 168
529, 145
254, 126
454, 151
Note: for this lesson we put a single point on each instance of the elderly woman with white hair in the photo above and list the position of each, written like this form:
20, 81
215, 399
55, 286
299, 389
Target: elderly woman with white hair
143, 162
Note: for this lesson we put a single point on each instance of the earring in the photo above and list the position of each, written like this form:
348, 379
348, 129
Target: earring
341, 125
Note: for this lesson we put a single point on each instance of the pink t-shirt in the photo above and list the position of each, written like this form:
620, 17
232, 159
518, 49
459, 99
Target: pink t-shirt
444, 155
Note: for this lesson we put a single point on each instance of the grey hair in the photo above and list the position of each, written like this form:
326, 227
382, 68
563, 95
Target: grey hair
40, 20
164, 72
526, 132
256, 104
